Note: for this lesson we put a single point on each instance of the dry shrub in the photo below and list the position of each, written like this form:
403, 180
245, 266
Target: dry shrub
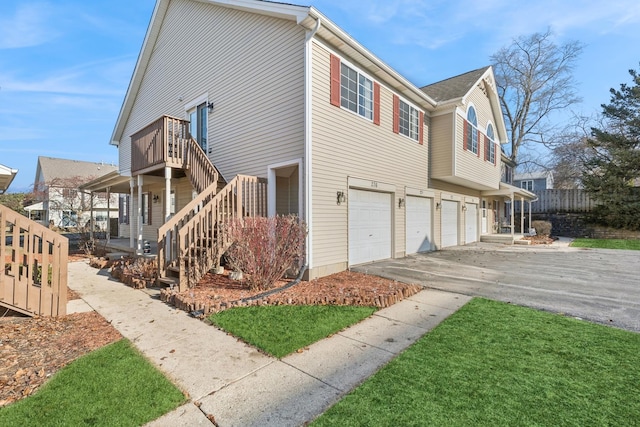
543, 228
265, 248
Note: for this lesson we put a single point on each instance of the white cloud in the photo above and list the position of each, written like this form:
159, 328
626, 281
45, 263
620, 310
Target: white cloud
105, 77
27, 26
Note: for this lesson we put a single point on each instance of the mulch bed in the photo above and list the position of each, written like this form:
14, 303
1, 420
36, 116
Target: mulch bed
217, 292
540, 240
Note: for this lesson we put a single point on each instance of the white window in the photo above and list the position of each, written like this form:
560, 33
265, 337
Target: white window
409, 121
356, 92
491, 149
472, 131
527, 184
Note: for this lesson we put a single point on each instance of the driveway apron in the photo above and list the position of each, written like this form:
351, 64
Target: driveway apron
598, 285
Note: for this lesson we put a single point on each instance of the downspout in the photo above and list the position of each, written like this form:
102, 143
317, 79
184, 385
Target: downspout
308, 106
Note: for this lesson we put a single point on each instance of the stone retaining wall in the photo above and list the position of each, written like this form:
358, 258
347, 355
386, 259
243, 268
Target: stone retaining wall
575, 225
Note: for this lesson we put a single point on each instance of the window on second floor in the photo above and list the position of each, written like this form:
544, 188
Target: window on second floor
356, 92
527, 184
490, 153
409, 123
471, 131
352, 90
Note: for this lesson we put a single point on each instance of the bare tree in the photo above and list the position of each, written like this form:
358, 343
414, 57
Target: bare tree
571, 151
534, 79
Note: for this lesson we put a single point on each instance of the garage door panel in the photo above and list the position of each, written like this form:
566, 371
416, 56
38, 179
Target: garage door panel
369, 226
418, 224
449, 223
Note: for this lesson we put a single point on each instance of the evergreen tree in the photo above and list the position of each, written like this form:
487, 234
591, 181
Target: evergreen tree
612, 174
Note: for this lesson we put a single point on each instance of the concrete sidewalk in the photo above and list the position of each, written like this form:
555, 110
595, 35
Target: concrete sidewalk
234, 383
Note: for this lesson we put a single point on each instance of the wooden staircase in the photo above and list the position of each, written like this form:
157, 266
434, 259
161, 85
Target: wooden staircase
33, 280
193, 241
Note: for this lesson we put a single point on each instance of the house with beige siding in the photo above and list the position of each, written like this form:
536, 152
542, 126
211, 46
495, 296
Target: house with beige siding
241, 108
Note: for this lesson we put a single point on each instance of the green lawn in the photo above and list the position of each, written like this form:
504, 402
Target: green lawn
112, 386
494, 364
607, 244
283, 329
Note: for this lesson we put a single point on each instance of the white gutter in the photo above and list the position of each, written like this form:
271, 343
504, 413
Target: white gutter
308, 109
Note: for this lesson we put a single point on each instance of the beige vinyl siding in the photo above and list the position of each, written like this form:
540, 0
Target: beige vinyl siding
252, 68
348, 145
468, 165
442, 145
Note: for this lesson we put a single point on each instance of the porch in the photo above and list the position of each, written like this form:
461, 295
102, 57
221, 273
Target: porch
504, 216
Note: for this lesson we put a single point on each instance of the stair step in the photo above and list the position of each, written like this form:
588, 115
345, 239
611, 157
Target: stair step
169, 281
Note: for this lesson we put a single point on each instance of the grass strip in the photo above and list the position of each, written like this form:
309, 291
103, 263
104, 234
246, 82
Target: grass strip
112, 386
629, 244
282, 329
496, 364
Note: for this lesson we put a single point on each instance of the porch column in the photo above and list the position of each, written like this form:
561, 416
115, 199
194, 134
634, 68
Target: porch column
91, 215
529, 214
167, 193
140, 225
522, 214
513, 225
108, 214
131, 187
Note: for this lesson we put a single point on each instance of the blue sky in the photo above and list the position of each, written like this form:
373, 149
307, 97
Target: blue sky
65, 65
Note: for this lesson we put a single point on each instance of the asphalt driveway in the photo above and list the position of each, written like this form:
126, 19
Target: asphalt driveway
599, 285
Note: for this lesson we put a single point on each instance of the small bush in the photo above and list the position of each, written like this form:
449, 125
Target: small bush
543, 228
265, 248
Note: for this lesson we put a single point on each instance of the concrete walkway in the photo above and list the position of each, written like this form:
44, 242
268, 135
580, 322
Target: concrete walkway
234, 383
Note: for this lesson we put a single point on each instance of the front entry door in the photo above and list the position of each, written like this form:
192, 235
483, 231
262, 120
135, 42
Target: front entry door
484, 217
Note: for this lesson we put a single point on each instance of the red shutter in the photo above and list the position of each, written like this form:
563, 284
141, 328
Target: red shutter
396, 114
465, 134
420, 126
335, 80
479, 142
376, 104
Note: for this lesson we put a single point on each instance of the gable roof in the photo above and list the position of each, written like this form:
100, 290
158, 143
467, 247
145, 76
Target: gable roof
6, 177
454, 87
50, 168
308, 17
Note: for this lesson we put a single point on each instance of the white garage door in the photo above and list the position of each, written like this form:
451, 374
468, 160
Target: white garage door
418, 210
471, 223
449, 223
369, 226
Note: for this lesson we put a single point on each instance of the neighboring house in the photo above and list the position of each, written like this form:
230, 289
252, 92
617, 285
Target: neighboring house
6, 177
280, 111
534, 181
61, 203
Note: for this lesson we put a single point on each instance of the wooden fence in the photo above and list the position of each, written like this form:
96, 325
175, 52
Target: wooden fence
552, 201
33, 279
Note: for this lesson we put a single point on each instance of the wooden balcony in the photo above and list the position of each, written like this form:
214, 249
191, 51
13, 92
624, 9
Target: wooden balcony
167, 143
164, 142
